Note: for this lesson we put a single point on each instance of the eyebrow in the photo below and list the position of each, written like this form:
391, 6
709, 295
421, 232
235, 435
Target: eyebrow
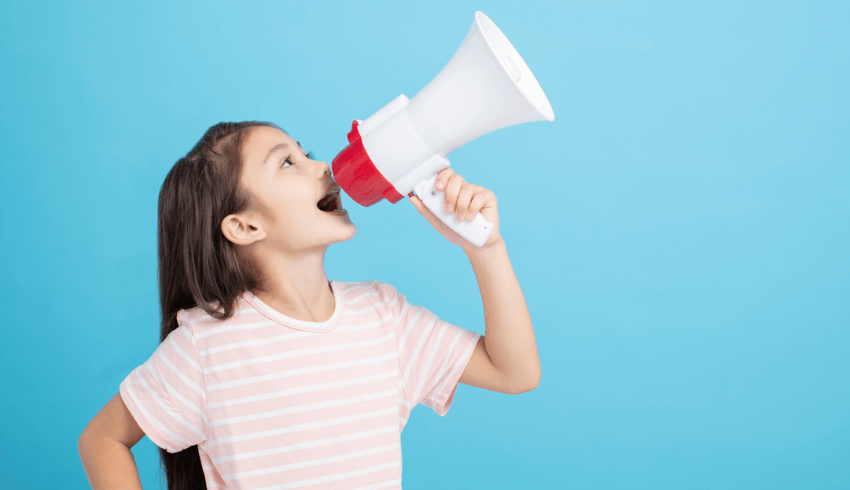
277, 147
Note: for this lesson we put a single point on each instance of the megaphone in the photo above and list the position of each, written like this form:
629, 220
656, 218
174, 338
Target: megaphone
401, 148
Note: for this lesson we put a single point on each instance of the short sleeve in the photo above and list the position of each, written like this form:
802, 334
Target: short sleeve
166, 393
432, 353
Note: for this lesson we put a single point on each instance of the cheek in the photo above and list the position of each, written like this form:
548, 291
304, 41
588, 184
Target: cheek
290, 207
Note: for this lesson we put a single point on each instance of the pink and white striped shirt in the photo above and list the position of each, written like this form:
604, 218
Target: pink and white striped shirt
273, 402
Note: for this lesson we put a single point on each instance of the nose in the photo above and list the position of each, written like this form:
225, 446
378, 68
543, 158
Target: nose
324, 170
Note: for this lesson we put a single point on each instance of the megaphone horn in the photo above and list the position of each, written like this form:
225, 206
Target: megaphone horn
484, 87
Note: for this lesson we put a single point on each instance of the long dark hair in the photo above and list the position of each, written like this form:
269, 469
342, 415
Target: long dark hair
198, 265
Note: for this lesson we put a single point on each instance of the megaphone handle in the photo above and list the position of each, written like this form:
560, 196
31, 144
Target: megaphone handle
476, 231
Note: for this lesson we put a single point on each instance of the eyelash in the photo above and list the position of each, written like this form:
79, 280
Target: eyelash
309, 155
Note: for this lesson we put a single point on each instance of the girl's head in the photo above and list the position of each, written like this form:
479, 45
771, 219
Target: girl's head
246, 191
286, 186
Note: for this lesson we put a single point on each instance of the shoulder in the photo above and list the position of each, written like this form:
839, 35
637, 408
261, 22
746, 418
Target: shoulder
196, 320
356, 288
189, 317
376, 291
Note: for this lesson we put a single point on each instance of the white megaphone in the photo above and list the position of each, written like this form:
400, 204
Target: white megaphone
401, 148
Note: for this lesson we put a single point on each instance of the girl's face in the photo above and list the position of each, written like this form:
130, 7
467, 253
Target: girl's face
278, 174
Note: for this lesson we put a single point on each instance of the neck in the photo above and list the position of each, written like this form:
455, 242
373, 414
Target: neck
297, 286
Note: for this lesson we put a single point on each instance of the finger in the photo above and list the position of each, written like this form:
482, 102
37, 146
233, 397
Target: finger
443, 177
417, 203
423, 210
463, 200
452, 190
479, 201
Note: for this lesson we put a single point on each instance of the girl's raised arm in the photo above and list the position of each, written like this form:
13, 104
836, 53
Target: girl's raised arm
105, 446
506, 358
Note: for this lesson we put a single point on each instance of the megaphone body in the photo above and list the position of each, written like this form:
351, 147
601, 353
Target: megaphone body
401, 148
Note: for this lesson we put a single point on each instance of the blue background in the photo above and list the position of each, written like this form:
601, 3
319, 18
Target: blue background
681, 232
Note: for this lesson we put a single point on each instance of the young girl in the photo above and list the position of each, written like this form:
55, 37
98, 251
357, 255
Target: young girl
269, 376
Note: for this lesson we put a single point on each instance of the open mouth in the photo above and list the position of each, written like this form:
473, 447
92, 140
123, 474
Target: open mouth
331, 201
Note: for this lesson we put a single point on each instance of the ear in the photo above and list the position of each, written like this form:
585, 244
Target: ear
241, 230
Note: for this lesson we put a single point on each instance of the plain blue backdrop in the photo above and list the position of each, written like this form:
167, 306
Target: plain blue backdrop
681, 232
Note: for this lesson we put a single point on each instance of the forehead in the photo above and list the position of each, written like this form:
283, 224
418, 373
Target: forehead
261, 139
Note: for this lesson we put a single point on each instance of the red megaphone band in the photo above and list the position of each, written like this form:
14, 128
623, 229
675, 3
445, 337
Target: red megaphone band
358, 176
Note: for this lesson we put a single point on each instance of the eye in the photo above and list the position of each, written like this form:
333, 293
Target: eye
287, 160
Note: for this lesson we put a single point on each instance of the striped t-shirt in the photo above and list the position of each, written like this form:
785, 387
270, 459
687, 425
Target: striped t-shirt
273, 402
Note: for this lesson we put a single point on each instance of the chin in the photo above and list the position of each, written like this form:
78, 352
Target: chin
343, 237
353, 232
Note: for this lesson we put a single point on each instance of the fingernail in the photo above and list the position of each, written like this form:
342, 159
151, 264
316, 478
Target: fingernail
471, 217
439, 184
460, 216
450, 207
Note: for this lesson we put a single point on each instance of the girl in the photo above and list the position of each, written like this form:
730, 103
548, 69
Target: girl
270, 376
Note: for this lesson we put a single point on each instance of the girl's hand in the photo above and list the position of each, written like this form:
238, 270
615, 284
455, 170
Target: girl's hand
466, 201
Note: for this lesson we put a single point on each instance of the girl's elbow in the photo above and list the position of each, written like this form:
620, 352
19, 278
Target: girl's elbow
535, 382
532, 383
